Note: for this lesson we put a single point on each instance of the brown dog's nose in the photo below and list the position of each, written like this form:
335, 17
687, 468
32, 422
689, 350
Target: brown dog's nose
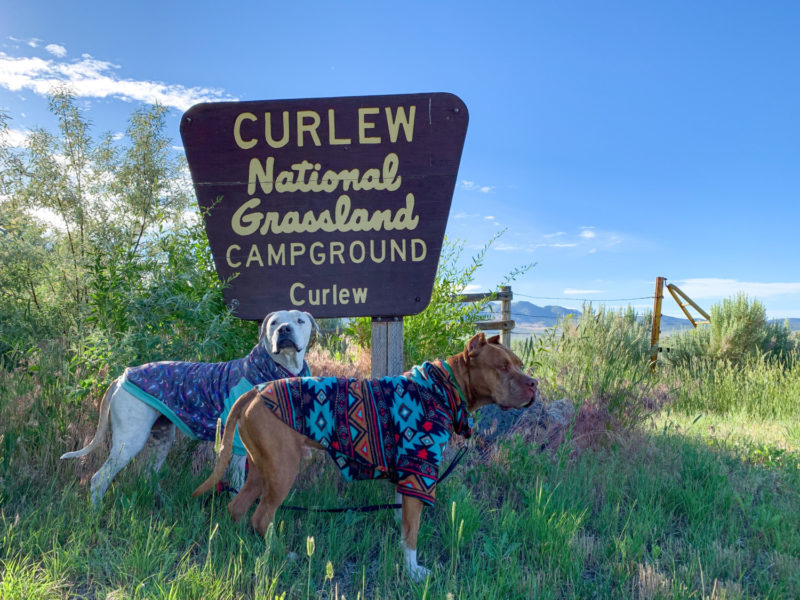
534, 385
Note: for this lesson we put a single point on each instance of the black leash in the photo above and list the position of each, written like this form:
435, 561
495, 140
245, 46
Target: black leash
373, 507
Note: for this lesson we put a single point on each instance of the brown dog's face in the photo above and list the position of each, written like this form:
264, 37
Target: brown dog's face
496, 374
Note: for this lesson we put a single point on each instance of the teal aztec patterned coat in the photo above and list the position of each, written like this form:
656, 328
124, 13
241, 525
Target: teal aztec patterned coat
395, 427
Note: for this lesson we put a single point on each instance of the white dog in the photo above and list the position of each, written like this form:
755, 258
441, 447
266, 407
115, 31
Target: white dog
193, 396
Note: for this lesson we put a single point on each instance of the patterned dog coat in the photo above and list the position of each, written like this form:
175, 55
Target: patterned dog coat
395, 427
194, 395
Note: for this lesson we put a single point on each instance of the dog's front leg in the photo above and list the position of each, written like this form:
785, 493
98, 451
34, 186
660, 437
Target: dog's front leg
412, 510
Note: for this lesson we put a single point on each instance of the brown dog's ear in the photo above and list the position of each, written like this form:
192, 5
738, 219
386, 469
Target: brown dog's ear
495, 339
475, 344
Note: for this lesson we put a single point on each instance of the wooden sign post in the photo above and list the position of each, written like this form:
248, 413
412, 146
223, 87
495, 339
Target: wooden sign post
336, 206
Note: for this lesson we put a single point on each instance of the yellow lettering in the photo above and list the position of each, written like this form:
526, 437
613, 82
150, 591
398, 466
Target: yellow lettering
235, 248
279, 257
316, 258
359, 295
243, 224
372, 251
418, 250
296, 249
332, 139
405, 217
357, 244
262, 176
295, 301
254, 255
397, 250
337, 249
268, 130
390, 165
345, 218
344, 296
363, 125
284, 182
237, 131
311, 128
399, 119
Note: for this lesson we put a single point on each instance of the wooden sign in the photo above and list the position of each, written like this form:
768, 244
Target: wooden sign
337, 206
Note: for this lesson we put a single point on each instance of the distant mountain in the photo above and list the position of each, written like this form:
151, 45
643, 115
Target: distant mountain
794, 323
532, 318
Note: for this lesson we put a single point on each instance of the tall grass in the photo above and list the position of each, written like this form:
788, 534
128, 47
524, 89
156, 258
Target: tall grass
755, 386
676, 509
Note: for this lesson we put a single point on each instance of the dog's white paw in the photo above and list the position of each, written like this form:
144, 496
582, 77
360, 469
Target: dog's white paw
416, 571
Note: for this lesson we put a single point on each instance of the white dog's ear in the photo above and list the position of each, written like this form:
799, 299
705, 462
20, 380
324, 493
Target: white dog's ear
262, 330
313, 322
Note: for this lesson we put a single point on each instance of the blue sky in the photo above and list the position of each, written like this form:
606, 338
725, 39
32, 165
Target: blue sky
613, 141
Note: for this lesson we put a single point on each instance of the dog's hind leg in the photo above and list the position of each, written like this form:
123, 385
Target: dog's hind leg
248, 494
131, 422
277, 481
160, 442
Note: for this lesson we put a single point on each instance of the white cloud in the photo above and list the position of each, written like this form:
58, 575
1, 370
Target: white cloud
718, 288
587, 233
15, 138
489, 217
563, 245
574, 292
92, 78
556, 234
56, 50
471, 186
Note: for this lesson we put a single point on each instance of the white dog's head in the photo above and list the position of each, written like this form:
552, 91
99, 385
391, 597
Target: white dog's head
285, 334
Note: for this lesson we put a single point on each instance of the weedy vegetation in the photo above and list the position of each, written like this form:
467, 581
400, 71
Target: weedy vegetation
682, 482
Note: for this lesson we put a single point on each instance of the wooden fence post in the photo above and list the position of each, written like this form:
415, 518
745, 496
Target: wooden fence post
387, 347
656, 329
505, 314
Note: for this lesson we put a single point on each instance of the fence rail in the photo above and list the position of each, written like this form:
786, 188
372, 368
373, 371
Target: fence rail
506, 323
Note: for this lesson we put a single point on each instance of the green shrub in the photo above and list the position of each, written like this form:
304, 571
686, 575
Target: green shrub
600, 358
738, 329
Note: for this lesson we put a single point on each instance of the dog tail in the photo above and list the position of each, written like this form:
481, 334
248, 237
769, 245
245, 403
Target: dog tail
102, 425
224, 456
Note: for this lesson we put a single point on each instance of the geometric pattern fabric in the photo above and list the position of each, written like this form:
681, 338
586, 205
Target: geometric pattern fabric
395, 427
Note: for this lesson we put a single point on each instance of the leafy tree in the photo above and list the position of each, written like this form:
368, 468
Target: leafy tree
98, 247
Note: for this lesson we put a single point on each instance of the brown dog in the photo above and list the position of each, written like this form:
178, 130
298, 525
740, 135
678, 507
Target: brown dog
282, 420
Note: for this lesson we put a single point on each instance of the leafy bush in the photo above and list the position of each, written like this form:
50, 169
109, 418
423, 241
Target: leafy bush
738, 329
601, 358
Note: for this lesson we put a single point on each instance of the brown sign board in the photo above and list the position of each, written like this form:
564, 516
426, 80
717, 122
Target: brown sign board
337, 206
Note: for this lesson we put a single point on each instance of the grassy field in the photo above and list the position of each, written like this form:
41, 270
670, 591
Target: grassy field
695, 499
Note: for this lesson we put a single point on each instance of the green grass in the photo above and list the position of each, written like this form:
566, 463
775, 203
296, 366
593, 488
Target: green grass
698, 501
